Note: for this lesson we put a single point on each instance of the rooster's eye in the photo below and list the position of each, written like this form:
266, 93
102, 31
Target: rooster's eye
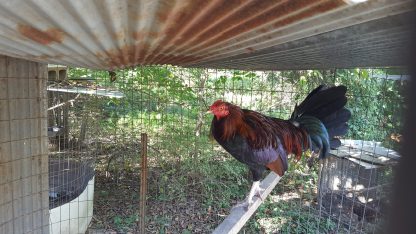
222, 108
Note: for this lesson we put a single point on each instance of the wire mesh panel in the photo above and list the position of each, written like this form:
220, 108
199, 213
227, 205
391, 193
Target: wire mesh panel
355, 184
23, 147
192, 181
71, 155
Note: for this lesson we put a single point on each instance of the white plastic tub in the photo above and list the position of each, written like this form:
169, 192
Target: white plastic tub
74, 216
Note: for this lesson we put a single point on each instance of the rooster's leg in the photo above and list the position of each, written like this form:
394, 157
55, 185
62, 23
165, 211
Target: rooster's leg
254, 191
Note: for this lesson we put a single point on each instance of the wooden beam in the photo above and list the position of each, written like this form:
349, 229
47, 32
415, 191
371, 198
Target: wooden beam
239, 216
64, 103
86, 90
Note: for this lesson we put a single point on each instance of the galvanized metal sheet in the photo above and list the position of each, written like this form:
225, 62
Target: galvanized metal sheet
109, 34
382, 42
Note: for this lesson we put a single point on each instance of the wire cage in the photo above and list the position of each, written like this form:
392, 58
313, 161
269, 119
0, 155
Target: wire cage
354, 186
97, 118
71, 172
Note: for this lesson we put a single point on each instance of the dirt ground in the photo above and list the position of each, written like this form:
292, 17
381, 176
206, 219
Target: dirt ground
116, 209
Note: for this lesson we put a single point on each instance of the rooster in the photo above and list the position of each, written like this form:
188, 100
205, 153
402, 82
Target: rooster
264, 143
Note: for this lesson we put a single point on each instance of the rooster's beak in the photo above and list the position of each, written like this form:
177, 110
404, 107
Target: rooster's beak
208, 112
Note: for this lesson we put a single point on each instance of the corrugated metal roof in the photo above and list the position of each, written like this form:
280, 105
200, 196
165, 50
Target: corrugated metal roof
382, 42
110, 34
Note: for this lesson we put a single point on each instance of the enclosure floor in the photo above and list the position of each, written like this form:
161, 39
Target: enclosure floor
116, 207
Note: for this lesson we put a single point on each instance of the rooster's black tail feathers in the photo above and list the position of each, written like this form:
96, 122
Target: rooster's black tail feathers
323, 115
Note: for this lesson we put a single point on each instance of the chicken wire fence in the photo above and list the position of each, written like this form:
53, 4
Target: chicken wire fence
95, 119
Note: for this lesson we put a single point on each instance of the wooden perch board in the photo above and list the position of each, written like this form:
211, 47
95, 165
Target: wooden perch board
85, 90
239, 216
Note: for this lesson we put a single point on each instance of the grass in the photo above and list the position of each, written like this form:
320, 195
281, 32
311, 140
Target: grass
288, 217
291, 207
124, 223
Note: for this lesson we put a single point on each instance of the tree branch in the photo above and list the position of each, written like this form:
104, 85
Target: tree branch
64, 103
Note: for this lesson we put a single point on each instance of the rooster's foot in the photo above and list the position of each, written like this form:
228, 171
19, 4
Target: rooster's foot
258, 194
244, 204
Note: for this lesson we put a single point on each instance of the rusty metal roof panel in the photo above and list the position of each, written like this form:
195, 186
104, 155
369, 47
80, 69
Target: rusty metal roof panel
382, 42
110, 34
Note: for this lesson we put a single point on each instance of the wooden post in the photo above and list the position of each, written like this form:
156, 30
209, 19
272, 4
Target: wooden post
143, 184
24, 198
239, 216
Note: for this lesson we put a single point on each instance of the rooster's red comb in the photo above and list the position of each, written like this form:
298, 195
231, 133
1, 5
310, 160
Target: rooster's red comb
217, 102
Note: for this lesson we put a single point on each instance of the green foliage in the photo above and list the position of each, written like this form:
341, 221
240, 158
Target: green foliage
376, 102
290, 217
123, 223
289, 207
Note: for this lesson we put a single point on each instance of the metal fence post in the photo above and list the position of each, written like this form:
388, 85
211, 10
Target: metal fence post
143, 184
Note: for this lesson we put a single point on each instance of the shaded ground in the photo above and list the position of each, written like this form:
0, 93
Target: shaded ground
291, 208
177, 203
116, 207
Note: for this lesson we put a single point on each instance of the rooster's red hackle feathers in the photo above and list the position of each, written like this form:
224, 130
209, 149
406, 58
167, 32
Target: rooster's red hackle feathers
262, 131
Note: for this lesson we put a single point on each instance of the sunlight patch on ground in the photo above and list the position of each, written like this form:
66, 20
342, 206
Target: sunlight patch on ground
284, 197
270, 225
